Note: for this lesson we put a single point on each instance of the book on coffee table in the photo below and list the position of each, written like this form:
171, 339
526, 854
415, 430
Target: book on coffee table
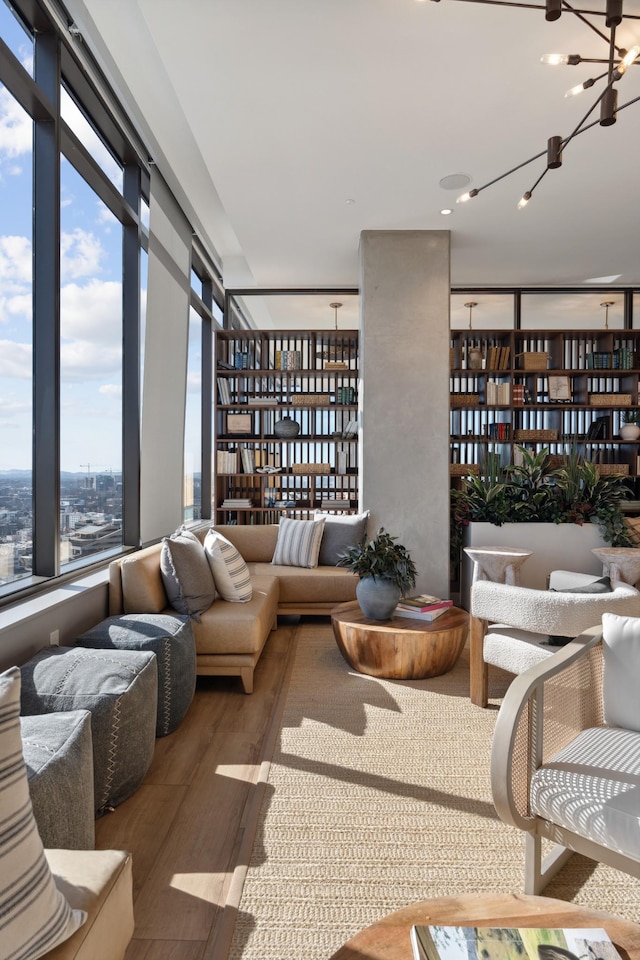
511, 943
426, 615
424, 602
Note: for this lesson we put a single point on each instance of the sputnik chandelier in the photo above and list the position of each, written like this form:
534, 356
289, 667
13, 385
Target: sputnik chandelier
617, 64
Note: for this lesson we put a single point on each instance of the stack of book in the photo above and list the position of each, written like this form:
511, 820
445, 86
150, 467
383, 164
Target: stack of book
236, 503
423, 607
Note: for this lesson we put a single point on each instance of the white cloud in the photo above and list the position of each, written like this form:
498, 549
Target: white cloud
92, 311
194, 381
16, 128
18, 306
80, 254
15, 259
111, 390
15, 360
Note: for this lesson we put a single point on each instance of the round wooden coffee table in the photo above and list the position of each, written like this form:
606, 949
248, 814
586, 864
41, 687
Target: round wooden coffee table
389, 939
402, 648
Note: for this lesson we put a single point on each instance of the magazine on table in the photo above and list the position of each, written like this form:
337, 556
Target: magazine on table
511, 943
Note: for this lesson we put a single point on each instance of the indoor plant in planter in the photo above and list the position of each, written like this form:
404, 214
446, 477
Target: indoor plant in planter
630, 424
386, 573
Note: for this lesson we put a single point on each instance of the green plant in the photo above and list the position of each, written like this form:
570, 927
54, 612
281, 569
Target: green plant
381, 558
631, 416
536, 491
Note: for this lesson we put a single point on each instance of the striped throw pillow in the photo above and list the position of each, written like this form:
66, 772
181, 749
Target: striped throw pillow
298, 543
230, 572
34, 915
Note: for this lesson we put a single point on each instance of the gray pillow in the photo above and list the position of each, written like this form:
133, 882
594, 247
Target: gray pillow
603, 585
186, 574
341, 531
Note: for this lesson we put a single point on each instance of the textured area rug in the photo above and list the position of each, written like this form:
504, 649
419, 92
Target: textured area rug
378, 796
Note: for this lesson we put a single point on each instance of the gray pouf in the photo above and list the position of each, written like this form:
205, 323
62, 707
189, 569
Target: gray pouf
58, 755
120, 689
171, 639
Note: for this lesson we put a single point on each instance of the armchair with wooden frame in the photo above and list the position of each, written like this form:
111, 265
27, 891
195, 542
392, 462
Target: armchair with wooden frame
565, 761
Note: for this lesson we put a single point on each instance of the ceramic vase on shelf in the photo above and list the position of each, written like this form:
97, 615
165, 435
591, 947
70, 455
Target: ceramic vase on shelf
286, 428
630, 431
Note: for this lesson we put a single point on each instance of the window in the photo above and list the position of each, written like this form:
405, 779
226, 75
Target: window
16, 37
90, 372
16, 338
192, 496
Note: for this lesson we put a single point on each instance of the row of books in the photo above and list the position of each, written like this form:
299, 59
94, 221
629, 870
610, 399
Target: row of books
226, 461
497, 392
287, 359
422, 607
498, 358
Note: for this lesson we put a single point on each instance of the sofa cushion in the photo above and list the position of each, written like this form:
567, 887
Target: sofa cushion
142, 587
621, 677
600, 771
298, 543
35, 915
341, 531
234, 628
186, 573
302, 585
230, 572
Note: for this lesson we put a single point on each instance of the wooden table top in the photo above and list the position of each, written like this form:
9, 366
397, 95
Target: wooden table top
388, 939
350, 613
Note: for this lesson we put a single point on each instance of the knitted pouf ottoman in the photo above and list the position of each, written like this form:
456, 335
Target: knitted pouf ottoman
120, 689
58, 755
171, 639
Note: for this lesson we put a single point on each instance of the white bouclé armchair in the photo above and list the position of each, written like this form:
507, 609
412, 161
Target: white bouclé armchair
510, 625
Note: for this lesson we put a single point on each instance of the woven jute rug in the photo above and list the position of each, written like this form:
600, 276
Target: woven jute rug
378, 795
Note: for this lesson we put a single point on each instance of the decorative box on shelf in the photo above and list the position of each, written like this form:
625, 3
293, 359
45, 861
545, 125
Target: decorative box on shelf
465, 399
534, 360
311, 468
546, 435
463, 469
310, 399
610, 399
606, 469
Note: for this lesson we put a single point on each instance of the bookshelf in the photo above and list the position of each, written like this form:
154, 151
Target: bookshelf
543, 388
286, 424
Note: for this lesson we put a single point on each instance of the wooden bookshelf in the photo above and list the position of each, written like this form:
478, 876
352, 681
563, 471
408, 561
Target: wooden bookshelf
309, 377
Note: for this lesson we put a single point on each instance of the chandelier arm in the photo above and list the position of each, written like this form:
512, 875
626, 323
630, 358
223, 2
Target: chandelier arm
578, 129
537, 6
587, 23
524, 163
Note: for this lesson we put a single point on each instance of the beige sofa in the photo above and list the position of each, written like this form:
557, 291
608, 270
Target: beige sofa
230, 636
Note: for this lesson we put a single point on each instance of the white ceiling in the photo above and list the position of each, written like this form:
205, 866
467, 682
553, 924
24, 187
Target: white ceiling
267, 117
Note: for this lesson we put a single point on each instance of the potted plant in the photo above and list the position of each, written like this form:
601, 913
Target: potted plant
630, 420
386, 573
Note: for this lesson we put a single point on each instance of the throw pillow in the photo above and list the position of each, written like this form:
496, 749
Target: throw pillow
603, 585
35, 915
341, 531
621, 675
298, 543
186, 573
230, 573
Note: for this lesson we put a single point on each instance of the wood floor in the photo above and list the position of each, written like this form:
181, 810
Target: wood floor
190, 825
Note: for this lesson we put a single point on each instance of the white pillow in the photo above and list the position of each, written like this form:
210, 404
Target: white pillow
621, 677
230, 573
298, 543
35, 915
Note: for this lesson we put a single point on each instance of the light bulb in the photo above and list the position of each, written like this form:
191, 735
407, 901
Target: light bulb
554, 59
467, 196
574, 91
524, 200
629, 57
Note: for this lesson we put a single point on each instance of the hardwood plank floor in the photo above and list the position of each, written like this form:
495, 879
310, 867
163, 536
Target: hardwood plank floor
190, 826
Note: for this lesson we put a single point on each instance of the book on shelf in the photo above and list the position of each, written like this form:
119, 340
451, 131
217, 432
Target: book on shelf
248, 460
425, 602
226, 461
428, 616
433, 942
224, 391
236, 503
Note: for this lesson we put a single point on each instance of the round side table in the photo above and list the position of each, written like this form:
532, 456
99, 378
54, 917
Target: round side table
498, 564
620, 563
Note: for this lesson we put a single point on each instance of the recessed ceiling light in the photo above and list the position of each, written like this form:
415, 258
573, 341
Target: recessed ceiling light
446, 211
349, 200
455, 181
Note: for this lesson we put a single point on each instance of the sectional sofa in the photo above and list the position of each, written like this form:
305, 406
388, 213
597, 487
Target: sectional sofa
230, 635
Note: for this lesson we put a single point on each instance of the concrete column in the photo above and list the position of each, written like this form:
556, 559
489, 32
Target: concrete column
404, 395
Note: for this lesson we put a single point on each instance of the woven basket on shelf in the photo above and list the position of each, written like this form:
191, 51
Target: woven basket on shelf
610, 399
536, 435
612, 468
534, 360
311, 468
310, 400
464, 400
463, 469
